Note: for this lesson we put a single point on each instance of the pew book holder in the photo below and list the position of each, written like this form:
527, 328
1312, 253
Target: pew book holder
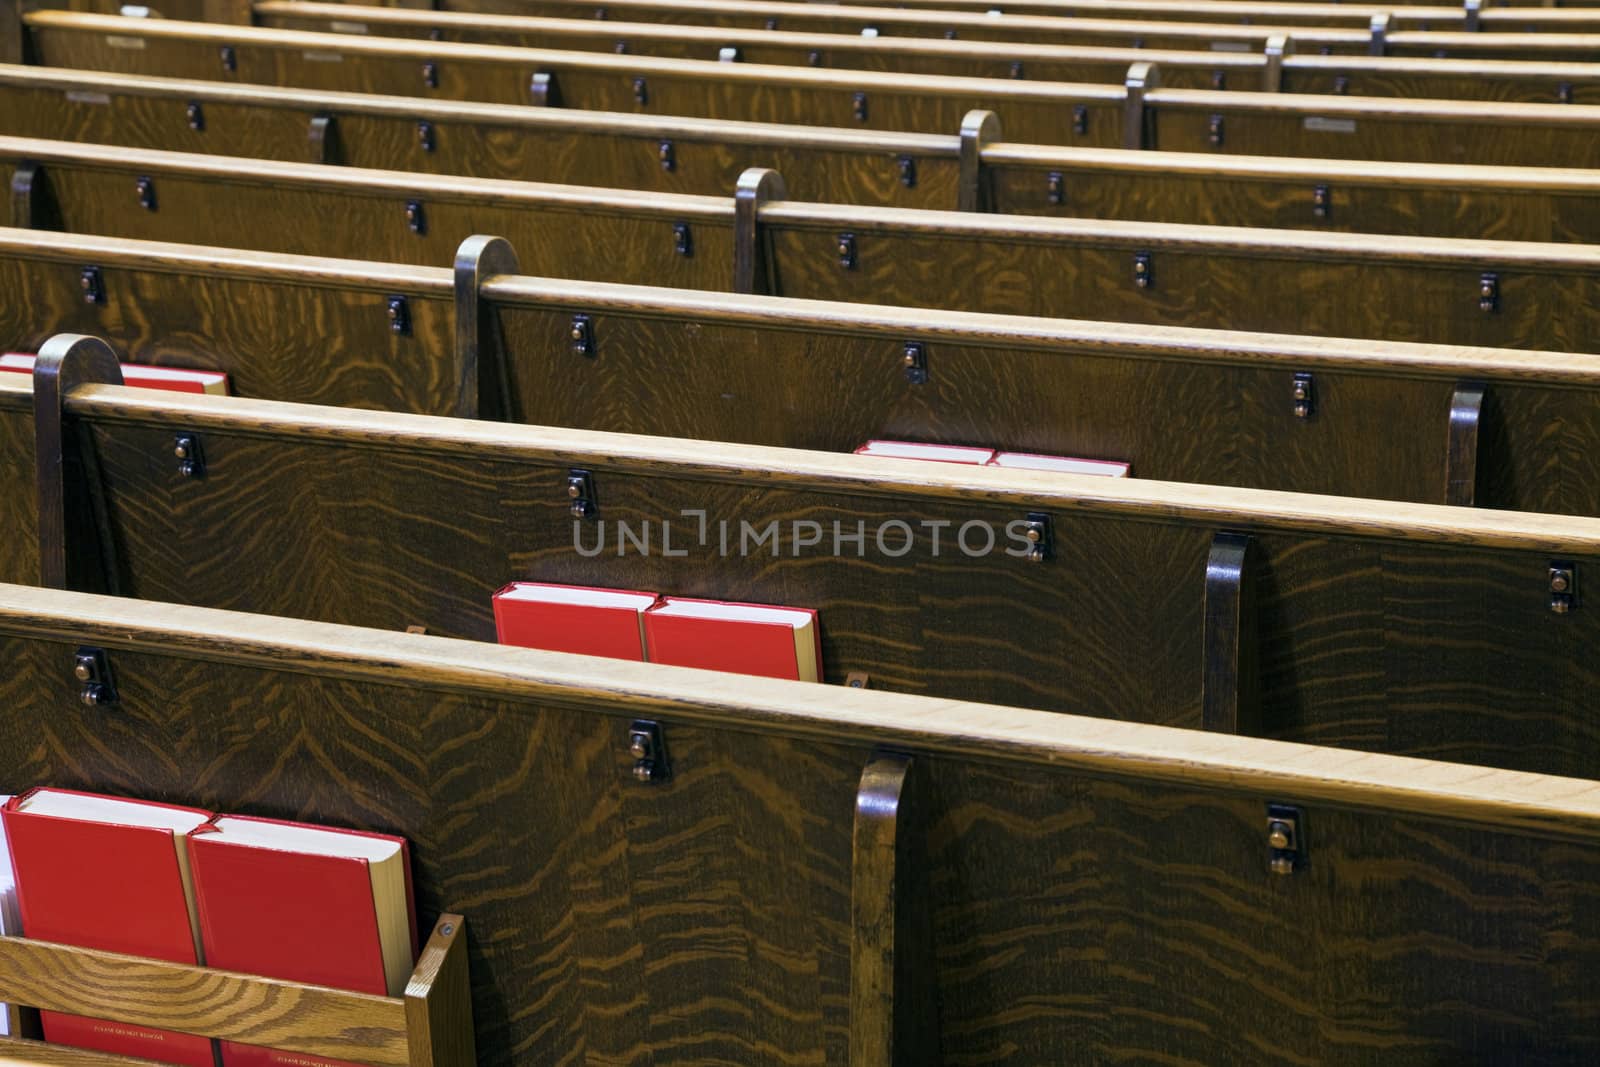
429, 1026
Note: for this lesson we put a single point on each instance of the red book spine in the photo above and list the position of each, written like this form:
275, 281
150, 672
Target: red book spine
289, 915
112, 888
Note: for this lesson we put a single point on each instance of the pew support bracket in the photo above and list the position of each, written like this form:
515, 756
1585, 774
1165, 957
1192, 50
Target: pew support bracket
481, 393
68, 475
754, 270
893, 1007
1461, 448
1230, 675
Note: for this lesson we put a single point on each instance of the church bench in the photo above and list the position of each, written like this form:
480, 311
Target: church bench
609, 916
840, 165
1497, 294
1351, 623
1139, 114
1455, 79
1387, 420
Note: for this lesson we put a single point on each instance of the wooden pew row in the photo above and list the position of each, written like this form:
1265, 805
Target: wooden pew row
610, 917
1350, 623
843, 166
1496, 294
1472, 17
1422, 423
1379, 38
1137, 115
1283, 70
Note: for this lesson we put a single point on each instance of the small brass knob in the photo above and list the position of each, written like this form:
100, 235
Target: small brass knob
1282, 865
1278, 835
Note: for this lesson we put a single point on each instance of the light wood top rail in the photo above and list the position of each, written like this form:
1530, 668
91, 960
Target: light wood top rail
686, 459
1535, 803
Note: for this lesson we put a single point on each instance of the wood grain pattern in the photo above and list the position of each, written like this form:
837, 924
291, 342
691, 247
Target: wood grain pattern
393, 528
206, 1001
1130, 860
26, 1052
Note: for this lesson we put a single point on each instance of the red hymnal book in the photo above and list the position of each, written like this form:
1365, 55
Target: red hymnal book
935, 453
305, 904
775, 642
172, 379
573, 618
1027, 461
109, 874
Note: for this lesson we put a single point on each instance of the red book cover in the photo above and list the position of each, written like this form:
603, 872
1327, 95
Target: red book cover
112, 886
172, 379
931, 453
573, 618
280, 902
762, 639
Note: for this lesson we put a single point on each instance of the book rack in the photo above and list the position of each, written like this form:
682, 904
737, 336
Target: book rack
429, 1026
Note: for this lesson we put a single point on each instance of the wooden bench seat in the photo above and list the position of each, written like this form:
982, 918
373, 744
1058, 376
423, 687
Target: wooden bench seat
1351, 623
1384, 420
807, 838
1499, 294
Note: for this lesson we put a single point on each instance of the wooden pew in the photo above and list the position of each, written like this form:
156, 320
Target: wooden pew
839, 165
1371, 38
609, 916
1141, 114
1455, 79
1353, 623
1472, 422
1500, 294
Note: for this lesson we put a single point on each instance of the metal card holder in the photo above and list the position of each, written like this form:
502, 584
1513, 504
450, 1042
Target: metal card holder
71, 502
477, 338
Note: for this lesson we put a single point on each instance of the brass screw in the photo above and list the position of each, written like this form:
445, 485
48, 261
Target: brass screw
1559, 581
910, 359
639, 746
577, 332
82, 672
93, 695
844, 248
1282, 865
1560, 604
643, 771
574, 489
1278, 835
1034, 533
181, 449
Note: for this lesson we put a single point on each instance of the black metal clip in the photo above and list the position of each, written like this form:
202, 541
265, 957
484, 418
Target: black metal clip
580, 494
1285, 838
858, 107
668, 158
846, 248
146, 189
915, 361
1080, 120
1214, 131
1489, 292
582, 334
1321, 202
400, 316
93, 671
1040, 533
196, 116
1219, 80
191, 459
1055, 189
416, 217
683, 239
908, 171
430, 75
1563, 587
229, 57
1144, 275
1304, 393
641, 92
648, 747
93, 286
425, 136
1017, 70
